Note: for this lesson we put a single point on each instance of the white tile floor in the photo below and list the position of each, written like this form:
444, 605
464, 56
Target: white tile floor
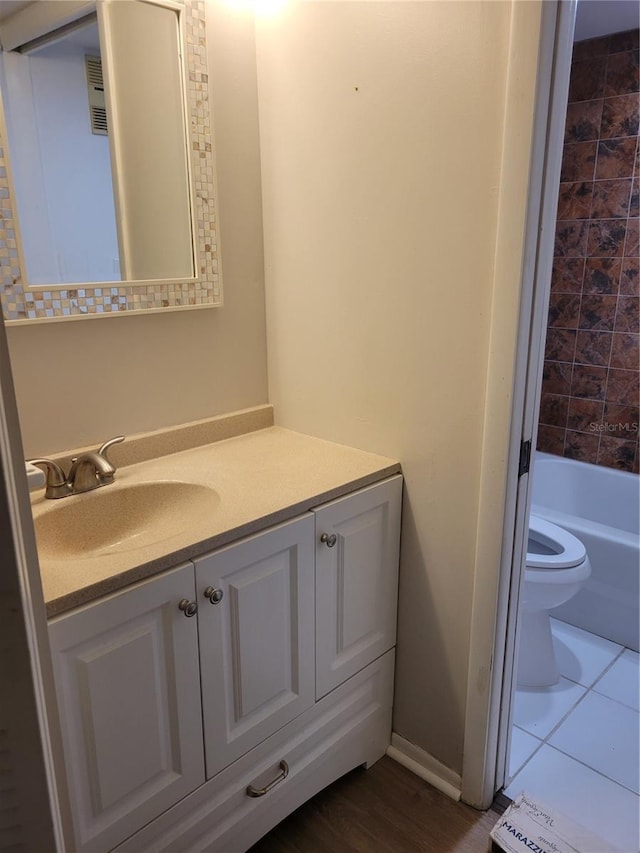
576, 744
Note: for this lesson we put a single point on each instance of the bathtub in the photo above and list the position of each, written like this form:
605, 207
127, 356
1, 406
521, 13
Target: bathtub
601, 506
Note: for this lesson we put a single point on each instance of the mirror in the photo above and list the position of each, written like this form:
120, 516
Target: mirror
117, 221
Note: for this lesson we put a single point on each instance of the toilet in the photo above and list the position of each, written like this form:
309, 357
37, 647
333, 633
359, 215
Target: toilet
557, 568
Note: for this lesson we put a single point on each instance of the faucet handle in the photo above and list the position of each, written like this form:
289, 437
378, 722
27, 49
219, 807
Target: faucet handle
56, 483
103, 449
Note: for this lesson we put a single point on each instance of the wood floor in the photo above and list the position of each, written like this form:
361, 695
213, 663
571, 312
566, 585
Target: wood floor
386, 809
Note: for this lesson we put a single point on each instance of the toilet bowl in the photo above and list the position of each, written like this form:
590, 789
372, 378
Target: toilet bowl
556, 569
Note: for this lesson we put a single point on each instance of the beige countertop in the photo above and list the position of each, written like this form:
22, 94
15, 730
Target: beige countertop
259, 479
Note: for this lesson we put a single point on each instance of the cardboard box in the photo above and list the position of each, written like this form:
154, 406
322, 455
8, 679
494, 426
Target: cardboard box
531, 826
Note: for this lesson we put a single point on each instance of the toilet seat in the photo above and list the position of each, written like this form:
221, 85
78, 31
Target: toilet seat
567, 550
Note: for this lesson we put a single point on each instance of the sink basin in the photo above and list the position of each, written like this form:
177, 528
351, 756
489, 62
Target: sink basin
119, 518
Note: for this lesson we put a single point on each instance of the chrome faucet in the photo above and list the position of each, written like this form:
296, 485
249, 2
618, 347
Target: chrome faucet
88, 471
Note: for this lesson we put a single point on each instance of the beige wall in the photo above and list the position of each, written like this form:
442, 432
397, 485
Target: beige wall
381, 129
79, 382
381, 142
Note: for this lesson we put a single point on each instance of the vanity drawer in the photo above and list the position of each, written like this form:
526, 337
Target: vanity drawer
350, 726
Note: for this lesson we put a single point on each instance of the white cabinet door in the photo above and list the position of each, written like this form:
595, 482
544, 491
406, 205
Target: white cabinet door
127, 681
357, 550
257, 641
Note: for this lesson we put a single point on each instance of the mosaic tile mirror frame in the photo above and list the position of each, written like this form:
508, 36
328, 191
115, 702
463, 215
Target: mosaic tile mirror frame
22, 303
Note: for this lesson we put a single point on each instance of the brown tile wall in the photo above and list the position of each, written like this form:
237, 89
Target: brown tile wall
589, 405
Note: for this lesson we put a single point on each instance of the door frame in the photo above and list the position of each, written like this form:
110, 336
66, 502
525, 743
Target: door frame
494, 625
28, 710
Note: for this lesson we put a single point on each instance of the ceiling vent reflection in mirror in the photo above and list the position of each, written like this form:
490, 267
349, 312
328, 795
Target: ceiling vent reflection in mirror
22, 301
95, 91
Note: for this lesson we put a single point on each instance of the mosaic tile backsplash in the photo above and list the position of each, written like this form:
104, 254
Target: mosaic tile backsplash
20, 302
589, 404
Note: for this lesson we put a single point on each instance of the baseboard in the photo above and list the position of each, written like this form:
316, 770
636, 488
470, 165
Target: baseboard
425, 766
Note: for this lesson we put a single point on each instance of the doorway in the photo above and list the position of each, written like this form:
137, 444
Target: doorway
572, 743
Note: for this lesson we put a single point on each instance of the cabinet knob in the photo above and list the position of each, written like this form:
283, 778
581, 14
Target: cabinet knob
329, 540
189, 608
214, 595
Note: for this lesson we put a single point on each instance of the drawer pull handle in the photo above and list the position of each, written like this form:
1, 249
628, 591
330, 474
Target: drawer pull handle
214, 595
189, 608
329, 541
260, 792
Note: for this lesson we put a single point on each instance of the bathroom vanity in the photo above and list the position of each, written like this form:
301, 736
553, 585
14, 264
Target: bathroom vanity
207, 692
